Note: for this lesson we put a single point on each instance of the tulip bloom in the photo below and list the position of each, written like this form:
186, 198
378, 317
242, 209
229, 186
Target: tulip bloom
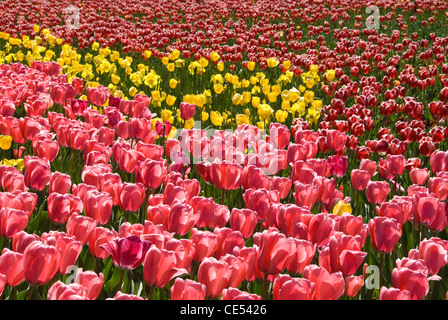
394, 294
12, 221
360, 179
60, 183
243, 220
92, 283
131, 196
384, 233
226, 175
40, 263
275, 251
11, 266
98, 206
187, 110
288, 288
377, 191
37, 173
80, 227
329, 286
151, 173
160, 266
187, 290
127, 253
415, 282
98, 237
215, 275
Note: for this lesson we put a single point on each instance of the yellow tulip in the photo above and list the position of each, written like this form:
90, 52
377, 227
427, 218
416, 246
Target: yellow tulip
342, 207
255, 101
286, 105
173, 83
237, 99
204, 116
214, 56
147, 54
251, 65
265, 111
36, 28
287, 64
242, 119
5, 142
220, 66
216, 118
165, 60
218, 88
272, 62
170, 67
133, 91
247, 96
281, 115
330, 75
272, 97
170, 100
308, 96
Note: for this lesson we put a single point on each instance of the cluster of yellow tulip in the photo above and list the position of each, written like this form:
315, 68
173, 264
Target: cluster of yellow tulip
225, 97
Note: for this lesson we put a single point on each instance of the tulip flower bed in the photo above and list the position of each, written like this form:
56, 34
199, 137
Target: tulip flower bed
223, 150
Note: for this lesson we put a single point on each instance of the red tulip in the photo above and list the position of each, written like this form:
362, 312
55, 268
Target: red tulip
62, 291
60, 183
40, 263
187, 290
80, 227
377, 191
433, 253
92, 283
98, 206
69, 247
181, 219
360, 179
151, 173
413, 281
210, 214
352, 285
206, 244
243, 220
21, 240
160, 266
321, 227
98, 237
275, 251
226, 175
11, 266
131, 196
187, 110
394, 294
127, 253
384, 233
329, 286
37, 173
12, 221
302, 256
287, 288
236, 294
215, 275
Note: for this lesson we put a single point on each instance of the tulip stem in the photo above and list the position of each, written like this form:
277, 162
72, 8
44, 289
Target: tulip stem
30, 292
381, 269
264, 293
151, 289
121, 280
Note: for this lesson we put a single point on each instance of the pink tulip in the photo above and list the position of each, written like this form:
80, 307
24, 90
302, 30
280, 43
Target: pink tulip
329, 286
384, 233
127, 253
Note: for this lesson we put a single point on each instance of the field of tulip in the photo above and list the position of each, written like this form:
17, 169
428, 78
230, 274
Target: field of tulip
223, 150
